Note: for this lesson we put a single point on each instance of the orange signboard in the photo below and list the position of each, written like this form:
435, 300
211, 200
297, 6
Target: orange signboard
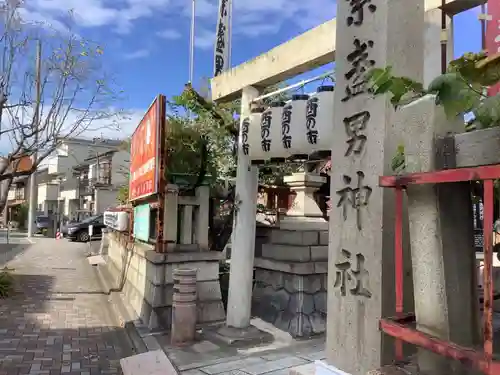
24, 164
145, 153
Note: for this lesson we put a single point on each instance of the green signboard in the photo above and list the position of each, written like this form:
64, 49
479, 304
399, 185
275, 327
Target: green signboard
142, 222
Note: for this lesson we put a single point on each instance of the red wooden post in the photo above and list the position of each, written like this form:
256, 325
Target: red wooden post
398, 249
488, 267
398, 327
162, 185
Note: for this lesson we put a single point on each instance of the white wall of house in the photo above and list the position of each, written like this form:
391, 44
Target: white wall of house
70, 155
47, 192
93, 171
70, 207
104, 199
70, 202
68, 194
120, 166
61, 163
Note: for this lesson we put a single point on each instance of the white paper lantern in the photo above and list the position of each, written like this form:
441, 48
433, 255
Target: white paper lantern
255, 151
243, 143
270, 129
299, 146
319, 119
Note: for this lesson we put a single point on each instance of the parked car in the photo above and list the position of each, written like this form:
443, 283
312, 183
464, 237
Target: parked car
80, 231
42, 223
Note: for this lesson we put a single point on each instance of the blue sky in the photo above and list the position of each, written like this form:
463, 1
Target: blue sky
146, 42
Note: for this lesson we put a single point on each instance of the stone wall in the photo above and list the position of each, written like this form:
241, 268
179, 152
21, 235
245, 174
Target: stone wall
291, 281
144, 278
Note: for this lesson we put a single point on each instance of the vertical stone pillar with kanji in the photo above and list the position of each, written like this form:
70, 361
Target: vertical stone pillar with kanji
374, 33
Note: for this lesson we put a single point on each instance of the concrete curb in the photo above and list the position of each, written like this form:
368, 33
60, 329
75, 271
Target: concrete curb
139, 335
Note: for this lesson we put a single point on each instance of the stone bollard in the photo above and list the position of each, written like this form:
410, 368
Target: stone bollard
184, 306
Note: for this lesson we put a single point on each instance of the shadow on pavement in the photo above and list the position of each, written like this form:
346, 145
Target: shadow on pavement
43, 332
10, 251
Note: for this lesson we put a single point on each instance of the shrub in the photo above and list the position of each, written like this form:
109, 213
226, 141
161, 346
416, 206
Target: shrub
6, 284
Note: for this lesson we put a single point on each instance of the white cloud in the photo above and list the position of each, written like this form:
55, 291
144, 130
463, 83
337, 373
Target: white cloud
251, 18
46, 20
204, 39
120, 126
169, 34
139, 54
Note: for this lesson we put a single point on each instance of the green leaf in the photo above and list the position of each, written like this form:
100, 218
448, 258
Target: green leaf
398, 161
382, 81
415, 86
383, 88
488, 112
454, 94
398, 90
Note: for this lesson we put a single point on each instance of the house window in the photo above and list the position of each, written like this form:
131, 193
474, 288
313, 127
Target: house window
105, 172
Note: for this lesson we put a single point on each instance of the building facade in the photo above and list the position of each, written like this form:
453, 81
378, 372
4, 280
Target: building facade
100, 178
64, 191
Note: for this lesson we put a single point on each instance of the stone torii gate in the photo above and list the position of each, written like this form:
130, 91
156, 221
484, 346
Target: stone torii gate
310, 50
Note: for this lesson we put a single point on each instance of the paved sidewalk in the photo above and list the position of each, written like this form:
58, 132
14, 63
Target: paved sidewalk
296, 359
282, 356
57, 322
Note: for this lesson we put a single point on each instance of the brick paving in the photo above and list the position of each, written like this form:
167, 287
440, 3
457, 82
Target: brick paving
58, 321
298, 359
208, 358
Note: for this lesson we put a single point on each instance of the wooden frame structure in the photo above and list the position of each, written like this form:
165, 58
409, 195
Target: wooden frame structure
399, 327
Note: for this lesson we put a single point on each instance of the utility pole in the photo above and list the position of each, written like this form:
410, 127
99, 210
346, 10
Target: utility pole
192, 41
33, 201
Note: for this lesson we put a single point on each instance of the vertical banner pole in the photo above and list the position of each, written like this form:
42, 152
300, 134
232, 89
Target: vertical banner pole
162, 135
222, 48
192, 39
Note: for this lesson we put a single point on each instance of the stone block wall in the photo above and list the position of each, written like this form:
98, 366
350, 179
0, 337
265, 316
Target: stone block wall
145, 279
293, 303
290, 288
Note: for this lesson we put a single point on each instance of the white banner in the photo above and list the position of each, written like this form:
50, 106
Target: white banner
222, 47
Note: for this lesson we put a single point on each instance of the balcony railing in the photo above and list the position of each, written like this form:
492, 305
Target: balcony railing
100, 181
17, 194
86, 185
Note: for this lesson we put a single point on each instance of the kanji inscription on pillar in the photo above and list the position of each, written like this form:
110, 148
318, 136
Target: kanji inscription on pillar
370, 34
360, 64
349, 277
354, 198
355, 126
358, 8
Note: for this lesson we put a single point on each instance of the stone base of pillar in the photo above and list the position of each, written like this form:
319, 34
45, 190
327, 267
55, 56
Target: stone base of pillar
323, 368
237, 337
294, 303
409, 369
290, 288
301, 223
